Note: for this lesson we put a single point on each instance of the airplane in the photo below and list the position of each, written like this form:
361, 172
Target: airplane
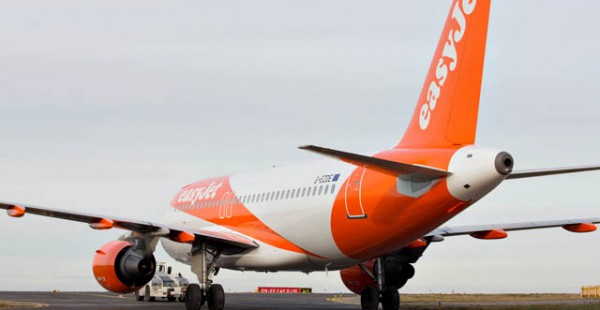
370, 216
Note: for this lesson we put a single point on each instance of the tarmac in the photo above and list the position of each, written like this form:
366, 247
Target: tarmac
242, 301
233, 301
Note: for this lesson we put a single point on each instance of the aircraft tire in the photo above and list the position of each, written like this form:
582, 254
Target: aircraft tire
390, 298
194, 297
216, 297
369, 299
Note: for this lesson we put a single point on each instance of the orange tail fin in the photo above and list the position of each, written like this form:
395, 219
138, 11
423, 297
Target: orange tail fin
446, 113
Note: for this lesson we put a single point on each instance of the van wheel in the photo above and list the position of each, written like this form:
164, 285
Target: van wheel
137, 296
147, 296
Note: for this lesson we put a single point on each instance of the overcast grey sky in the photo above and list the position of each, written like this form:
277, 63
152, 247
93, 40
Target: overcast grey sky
111, 106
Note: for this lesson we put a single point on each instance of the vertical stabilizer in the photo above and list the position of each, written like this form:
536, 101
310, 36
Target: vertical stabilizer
446, 113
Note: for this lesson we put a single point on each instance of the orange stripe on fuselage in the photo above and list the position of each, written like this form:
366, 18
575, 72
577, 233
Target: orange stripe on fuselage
392, 220
213, 200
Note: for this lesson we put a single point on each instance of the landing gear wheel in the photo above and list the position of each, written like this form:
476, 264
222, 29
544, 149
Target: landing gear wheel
194, 297
171, 299
369, 299
216, 297
390, 299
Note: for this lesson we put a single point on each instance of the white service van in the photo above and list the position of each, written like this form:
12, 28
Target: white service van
163, 285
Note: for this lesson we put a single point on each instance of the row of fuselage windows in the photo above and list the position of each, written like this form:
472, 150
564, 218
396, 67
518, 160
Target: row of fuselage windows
231, 200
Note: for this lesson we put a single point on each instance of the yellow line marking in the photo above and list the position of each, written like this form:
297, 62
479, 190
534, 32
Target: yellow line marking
98, 295
23, 305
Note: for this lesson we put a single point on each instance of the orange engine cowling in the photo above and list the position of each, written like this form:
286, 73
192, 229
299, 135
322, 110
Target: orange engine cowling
396, 274
356, 279
120, 269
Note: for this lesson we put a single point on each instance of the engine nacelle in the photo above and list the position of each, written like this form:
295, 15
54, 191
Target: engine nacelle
395, 274
356, 279
120, 269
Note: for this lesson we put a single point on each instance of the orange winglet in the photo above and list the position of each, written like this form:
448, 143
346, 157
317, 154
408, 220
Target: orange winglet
490, 234
580, 228
16, 211
102, 224
419, 243
184, 237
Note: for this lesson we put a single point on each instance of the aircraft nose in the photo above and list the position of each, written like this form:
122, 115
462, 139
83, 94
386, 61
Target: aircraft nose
504, 163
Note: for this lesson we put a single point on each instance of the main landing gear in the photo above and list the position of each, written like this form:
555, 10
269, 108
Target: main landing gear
387, 295
195, 297
203, 265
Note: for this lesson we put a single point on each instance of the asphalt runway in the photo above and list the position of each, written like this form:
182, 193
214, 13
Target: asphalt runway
233, 301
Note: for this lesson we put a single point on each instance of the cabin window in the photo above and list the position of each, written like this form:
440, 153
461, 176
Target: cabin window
320, 189
326, 189
314, 193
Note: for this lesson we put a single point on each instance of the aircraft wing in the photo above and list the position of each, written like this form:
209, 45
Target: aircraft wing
227, 241
499, 231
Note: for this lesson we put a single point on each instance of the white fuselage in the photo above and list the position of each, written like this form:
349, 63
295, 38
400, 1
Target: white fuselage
300, 206
303, 220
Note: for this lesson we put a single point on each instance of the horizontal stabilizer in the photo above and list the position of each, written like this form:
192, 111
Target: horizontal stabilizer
378, 164
544, 172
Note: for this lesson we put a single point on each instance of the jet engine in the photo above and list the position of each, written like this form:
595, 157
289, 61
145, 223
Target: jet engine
356, 279
396, 274
119, 268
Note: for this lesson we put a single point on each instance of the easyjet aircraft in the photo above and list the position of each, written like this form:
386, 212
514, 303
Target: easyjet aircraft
369, 216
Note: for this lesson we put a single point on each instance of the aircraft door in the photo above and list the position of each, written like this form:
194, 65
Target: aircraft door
353, 194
